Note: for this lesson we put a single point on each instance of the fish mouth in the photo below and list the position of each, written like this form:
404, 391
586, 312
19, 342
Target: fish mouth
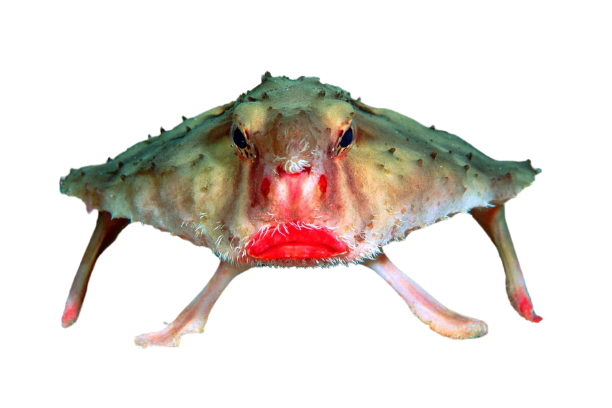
295, 241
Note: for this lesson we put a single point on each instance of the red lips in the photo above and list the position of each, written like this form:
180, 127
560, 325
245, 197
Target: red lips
295, 241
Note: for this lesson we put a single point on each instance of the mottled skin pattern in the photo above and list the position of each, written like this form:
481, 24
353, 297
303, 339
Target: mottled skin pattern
297, 173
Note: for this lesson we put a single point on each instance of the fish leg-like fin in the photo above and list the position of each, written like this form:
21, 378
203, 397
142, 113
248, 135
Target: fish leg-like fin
193, 318
106, 231
431, 312
493, 221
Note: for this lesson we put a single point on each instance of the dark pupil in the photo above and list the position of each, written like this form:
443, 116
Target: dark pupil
239, 139
347, 138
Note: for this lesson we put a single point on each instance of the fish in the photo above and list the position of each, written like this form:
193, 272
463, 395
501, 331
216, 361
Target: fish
297, 173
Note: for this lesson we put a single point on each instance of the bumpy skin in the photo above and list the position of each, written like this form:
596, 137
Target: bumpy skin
397, 176
297, 173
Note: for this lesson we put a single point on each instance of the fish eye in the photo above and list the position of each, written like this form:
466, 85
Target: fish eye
344, 143
239, 139
347, 138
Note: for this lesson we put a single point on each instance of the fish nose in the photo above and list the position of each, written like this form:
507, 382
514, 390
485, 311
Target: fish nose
320, 179
295, 195
284, 173
294, 187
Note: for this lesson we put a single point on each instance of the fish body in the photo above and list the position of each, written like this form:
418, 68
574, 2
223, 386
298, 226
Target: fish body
299, 173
